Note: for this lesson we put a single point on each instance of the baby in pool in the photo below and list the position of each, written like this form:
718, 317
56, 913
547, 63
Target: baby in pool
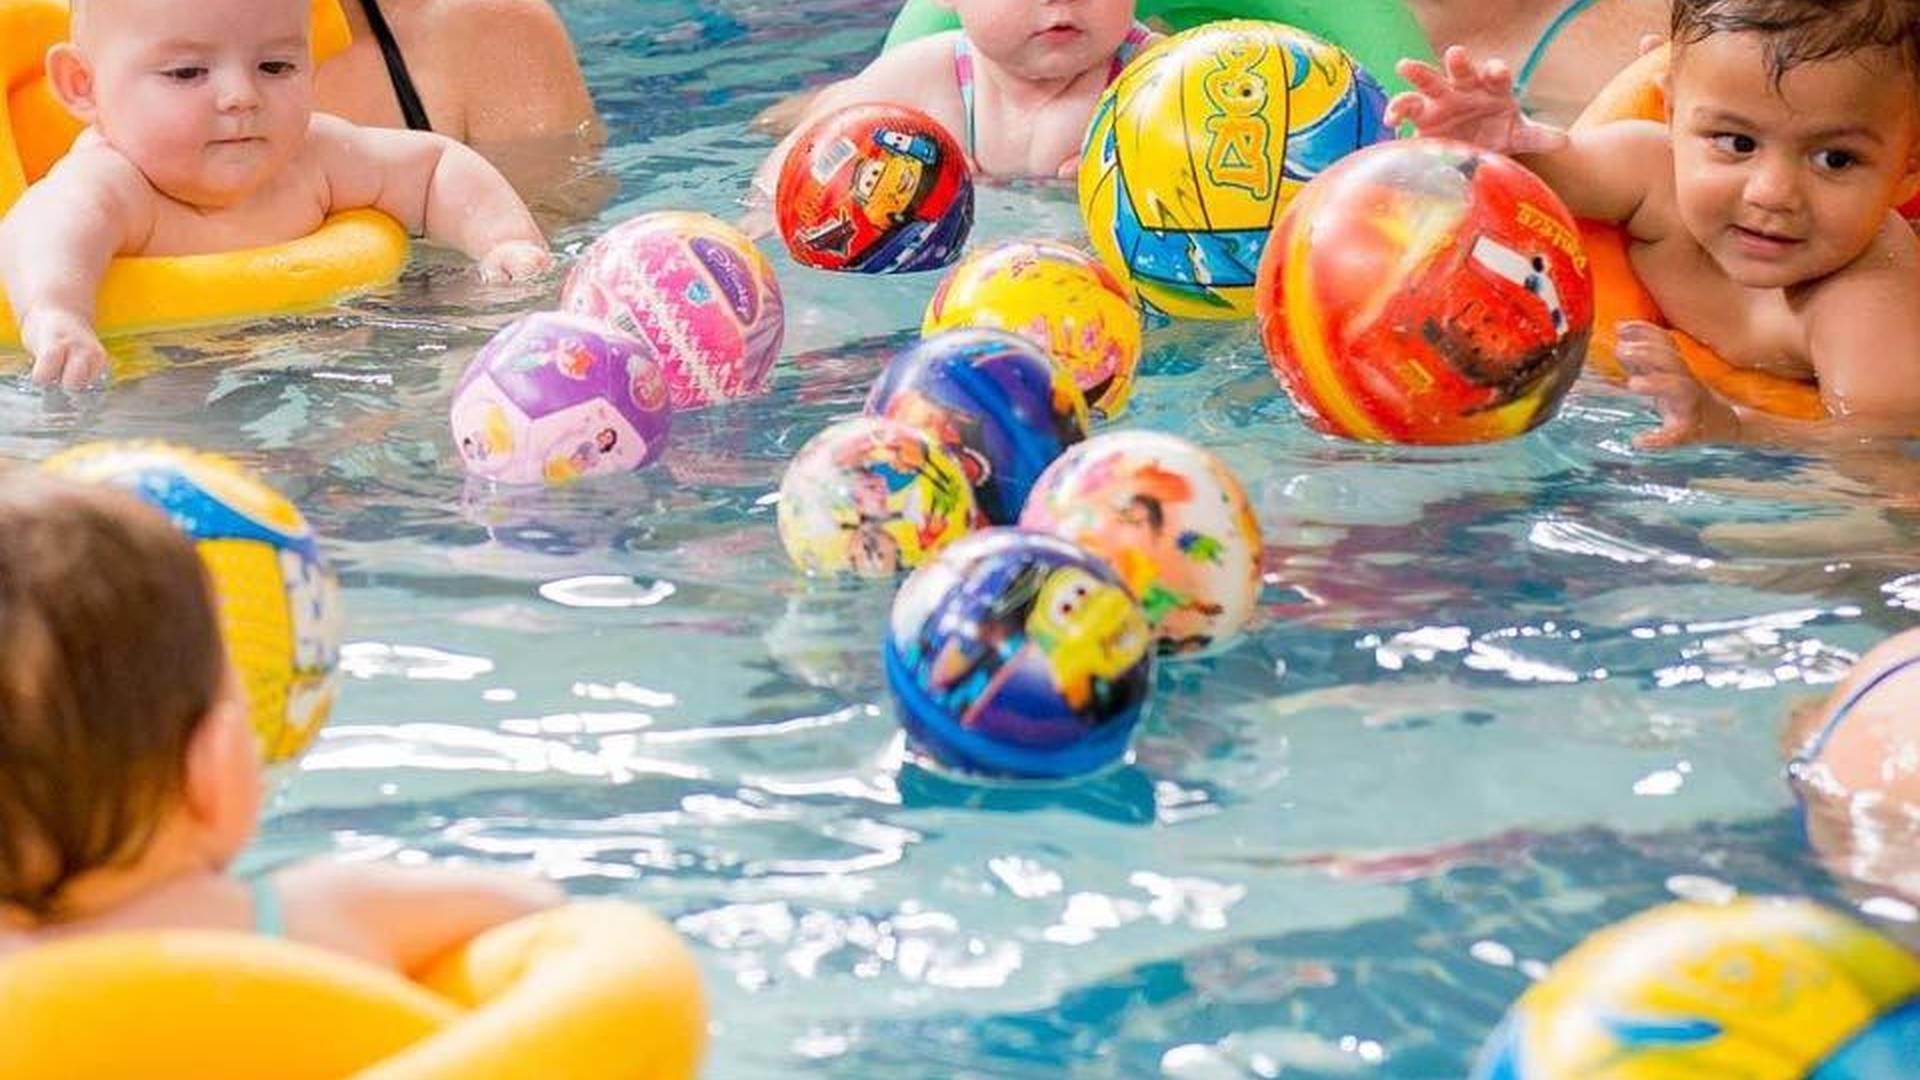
129, 775
1761, 218
1016, 84
202, 138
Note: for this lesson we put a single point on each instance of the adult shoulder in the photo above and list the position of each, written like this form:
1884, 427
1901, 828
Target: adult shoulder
519, 76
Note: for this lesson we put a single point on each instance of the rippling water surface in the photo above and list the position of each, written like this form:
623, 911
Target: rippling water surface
1497, 697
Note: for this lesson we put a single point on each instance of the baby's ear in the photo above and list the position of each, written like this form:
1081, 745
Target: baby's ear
222, 783
72, 80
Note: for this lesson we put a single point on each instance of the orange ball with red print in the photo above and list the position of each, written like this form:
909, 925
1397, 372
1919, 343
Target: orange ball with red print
877, 189
1425, 291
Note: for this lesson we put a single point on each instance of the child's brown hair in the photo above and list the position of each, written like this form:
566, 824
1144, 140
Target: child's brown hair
110, 657
1806, 31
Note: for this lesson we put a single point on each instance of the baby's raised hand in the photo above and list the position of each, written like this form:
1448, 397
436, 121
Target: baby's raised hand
515, 260
64, 349
1470, 102
1689, 412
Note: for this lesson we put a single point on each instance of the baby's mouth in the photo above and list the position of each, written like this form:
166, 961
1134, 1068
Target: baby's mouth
1764, 236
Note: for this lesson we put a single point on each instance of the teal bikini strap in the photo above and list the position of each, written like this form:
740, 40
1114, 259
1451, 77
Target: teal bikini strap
1816, 745
1560, 22
268, 916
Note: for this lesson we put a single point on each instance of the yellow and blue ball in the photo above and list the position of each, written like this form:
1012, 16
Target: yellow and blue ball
280, 610
1760, 989
1199, 146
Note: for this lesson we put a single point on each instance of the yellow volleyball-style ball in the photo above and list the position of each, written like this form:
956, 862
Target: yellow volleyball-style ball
1202, 142
1759, 989
279, 604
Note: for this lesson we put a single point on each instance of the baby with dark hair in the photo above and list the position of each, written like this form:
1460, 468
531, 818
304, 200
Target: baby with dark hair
1761, 216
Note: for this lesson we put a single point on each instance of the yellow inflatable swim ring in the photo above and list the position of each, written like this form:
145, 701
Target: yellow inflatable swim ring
351, 251
1637, 94
589, 992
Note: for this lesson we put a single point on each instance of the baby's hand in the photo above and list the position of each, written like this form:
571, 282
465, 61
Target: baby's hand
1474, 104
515, 260
64, 349
1688, 411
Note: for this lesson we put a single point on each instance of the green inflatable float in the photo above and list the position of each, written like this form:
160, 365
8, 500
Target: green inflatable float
1377, 32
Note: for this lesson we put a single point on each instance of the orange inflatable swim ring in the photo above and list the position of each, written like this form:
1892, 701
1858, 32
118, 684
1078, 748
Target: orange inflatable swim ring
1638, 93
355, 250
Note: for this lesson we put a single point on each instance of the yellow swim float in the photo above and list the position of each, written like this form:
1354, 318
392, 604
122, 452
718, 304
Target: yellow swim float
1637, 94
600, 991
355, 250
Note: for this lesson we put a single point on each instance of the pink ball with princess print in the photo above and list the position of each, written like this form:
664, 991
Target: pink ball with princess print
697, 291
556, 397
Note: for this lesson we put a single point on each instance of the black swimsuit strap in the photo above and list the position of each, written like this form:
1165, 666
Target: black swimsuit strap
411, 109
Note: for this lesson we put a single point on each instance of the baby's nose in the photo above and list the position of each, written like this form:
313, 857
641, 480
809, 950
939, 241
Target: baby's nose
237, 93
1773, 185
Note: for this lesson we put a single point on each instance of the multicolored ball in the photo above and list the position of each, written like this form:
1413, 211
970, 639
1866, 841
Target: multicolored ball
994, 401
879, 189
871, 497
1171, 518
697, 291
1766, 989
1056, 297
1016, 654
1201, 143
1426, 292
280, 609
555, 397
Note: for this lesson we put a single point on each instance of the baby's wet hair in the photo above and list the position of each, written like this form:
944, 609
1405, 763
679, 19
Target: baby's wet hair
1800, 32
110, 659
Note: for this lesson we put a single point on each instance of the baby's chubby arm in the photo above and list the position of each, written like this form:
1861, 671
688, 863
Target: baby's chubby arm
433, 186
1605, 173
918, 74
55, 245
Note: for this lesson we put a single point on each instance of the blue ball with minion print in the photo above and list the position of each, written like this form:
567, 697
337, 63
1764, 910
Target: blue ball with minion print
996, 402
1018, 656
876, 189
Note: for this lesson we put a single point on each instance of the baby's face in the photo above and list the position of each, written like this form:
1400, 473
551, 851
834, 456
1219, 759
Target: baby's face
1046, 39
210, 98
1786, 184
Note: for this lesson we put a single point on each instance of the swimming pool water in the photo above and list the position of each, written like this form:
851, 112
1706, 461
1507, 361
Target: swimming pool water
1497, 697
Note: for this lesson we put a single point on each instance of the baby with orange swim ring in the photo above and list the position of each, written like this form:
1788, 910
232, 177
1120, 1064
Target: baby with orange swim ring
202, 138
129, 771
1761, 217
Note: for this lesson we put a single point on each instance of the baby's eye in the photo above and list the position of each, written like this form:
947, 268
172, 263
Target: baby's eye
186, 73
1735, 143
1836, 160
279, 67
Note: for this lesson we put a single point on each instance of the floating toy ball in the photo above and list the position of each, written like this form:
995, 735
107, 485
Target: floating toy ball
871, 497
279, 604
1016, 654
881, 189
696, 290
555, 397
994, 401
1773, 989
1056, 297
1201, 143
1426, 292
1172, 520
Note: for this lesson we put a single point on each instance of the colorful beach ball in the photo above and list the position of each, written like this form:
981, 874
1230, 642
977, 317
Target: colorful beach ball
1197, 148
1171, 518
555, 397
1056, 297
1759, 989
280, 608
876, 188
994, 401
1426, 292
693, 288
871, 497
1018, 655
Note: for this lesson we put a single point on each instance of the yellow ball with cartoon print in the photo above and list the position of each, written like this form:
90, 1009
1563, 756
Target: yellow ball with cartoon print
1758, 989
279, 603
1199, 146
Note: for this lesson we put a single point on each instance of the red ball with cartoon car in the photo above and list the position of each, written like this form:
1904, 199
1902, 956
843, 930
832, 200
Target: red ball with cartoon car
877, 189
1425, 291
